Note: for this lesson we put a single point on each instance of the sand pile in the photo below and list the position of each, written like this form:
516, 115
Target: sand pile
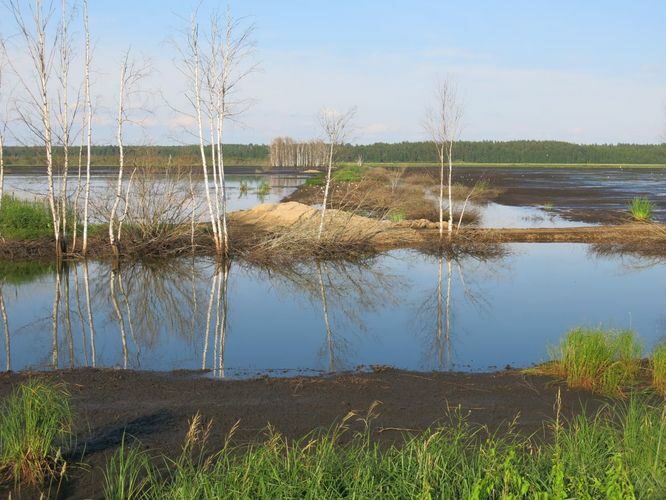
292, 213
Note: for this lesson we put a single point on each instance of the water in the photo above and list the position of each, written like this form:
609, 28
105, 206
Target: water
243, 321
103, 188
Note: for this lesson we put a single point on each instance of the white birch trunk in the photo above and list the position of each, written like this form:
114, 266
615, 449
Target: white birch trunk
89, 112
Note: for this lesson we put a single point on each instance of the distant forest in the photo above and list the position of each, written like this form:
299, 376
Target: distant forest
403, 152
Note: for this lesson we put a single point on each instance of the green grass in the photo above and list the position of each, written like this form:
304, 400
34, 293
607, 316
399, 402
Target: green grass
397, 215
617, 453
606, 361
349, 173
641, 209
346, 173
24, 220
659, 369
35, 425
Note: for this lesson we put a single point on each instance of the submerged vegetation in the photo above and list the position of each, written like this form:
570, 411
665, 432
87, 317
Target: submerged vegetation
35, 426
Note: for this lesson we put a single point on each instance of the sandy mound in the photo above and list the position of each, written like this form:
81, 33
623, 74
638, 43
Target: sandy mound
293, 213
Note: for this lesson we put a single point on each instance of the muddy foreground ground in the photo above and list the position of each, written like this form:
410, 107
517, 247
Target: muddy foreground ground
155, 407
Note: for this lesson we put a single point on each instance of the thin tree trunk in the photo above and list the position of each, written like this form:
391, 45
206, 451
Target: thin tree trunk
202, 146
326, 190
65, 124
86, 201
77, 197
121, 158
441, 194
2, 169
450, 157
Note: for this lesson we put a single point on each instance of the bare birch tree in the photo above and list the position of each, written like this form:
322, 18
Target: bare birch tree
335, 126
130, 76
443, 125
41, 49
88, 127
3, 123
215, 71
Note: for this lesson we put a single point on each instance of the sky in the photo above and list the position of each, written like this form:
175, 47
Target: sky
590, 71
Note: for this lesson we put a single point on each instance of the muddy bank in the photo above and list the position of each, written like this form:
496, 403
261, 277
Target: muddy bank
275, 230
155, 408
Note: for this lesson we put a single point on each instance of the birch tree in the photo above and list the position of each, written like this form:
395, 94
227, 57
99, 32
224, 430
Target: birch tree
88, 124
215, 68
130, 76
335, 127
41, 48
443, 125
3, 123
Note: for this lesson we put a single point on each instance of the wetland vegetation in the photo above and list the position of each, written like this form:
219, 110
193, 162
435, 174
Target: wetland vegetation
313, 318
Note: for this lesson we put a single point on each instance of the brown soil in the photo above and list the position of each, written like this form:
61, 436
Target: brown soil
155, 407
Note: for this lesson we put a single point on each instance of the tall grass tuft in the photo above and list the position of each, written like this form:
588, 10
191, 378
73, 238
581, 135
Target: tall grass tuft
641, 209
659, 369
606, 361
128, 473
35, 426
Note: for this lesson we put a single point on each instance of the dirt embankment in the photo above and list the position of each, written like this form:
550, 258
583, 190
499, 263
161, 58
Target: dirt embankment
274, 227
155, 408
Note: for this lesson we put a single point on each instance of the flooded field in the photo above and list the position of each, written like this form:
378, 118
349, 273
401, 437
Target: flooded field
403, 309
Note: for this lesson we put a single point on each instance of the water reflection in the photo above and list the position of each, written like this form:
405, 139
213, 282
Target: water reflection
403, 309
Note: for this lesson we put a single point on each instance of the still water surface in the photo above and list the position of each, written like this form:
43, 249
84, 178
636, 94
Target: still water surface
402, 309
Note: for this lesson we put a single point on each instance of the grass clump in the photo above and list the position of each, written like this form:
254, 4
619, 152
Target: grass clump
351, 173
35, 425
616, 453
24, 220
397, 215
641, 209
659, 369
600, 360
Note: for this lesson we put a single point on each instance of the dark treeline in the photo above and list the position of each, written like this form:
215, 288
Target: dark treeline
466, 151
509, 152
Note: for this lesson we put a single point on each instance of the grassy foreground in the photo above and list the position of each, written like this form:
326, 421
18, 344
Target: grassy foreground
619, 453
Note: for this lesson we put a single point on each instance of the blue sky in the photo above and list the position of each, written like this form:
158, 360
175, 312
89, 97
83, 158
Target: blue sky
581, 71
